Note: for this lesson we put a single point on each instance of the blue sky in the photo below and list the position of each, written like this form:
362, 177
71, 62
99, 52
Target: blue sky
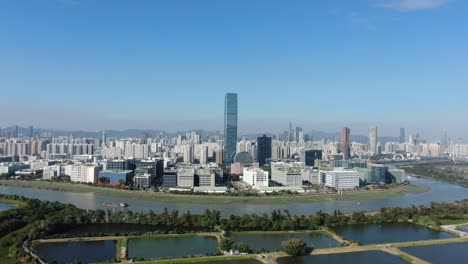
93, 65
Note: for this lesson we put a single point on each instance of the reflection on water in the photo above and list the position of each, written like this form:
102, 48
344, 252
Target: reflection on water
439, 192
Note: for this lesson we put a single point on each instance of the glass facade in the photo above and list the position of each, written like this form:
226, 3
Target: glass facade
230, 127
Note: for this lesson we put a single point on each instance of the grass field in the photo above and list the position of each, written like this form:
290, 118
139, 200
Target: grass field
216, 199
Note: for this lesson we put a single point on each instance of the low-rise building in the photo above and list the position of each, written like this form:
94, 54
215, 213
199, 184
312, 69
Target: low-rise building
186, 177
206, 178
142, 181
287, 174
341, 178
255, 177
117, 176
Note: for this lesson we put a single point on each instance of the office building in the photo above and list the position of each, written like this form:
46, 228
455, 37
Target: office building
286, 174
299, 135
255, 177
230, 127
185, 177
206, 178
402, 135
118, 165
142, 181
310, 156
345, 143
341, 178
263, 150
117, 176
170, 178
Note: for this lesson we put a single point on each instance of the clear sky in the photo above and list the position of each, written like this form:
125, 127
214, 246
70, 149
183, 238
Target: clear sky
92, 65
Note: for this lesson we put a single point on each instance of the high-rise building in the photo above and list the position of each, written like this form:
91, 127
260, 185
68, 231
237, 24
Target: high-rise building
444, 139
263, 149
345, 143
203, 154
297, 135
16, 132
104, 139
230, 127
402, 135
31, 131
373, 141
290, 132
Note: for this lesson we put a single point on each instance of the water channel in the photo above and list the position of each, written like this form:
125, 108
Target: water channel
439, 192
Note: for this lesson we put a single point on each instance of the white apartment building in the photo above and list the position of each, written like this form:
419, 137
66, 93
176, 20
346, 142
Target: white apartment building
82, 173
255, 177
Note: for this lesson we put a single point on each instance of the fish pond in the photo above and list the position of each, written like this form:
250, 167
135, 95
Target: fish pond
389, 233
77, 252
271, 241
171, 246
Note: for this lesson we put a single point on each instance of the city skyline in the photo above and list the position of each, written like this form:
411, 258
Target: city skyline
134, 67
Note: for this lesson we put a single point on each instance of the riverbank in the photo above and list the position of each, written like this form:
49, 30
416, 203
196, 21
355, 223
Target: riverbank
447, 171
12, 202
218, 199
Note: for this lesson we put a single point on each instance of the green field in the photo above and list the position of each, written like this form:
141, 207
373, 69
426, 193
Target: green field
218, 199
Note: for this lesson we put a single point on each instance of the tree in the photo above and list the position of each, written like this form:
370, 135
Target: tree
104, 180
294, 247
243, 247
226, 243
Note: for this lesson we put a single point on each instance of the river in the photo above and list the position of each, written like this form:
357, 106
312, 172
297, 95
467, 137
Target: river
439, 192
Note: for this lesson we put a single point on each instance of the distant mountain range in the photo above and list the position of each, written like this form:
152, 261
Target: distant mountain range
315, 135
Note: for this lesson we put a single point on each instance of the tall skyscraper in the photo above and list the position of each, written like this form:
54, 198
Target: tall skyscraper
444, 138
31, 131
290, 132
297, 137
373, 141
230, 127
263, 150
103, 144
345, 143
16, 132
402, 135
